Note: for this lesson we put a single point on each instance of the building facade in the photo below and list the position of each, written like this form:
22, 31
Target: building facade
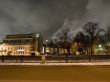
21, 44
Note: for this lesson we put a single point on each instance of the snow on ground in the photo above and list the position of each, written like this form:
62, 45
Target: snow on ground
45, 81
58, 64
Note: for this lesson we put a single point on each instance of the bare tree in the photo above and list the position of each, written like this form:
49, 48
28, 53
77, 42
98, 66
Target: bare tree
92, 30
64, 39
84, 40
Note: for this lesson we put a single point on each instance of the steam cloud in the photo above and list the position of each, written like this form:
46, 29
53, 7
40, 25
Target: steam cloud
48, 17
96, 11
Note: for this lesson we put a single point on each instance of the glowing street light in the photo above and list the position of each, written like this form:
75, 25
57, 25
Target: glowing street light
100, 46
46, 40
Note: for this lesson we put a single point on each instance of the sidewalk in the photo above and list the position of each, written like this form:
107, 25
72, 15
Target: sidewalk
58, 64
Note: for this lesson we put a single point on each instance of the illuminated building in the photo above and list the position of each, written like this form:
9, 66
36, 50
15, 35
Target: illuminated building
21, 44
55, 48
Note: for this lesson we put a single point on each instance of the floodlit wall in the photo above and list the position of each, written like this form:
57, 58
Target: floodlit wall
15, 49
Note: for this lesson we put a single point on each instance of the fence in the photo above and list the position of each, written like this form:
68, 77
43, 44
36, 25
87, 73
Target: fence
55, 58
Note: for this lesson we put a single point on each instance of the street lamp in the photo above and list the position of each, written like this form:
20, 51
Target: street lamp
100, 46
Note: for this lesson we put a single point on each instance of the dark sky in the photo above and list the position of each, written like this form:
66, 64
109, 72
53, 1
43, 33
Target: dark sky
48, 17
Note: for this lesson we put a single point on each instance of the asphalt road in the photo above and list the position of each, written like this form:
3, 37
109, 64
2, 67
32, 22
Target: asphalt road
54, 73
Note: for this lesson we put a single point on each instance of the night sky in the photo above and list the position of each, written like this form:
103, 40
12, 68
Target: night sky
48, 17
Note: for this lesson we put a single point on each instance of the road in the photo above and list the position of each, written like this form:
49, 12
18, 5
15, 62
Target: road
54, 73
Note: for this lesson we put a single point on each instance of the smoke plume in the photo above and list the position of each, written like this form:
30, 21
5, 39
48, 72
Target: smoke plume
96, 11
48, 17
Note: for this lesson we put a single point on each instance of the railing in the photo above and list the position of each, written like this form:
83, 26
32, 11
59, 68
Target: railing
56, 58
20, 59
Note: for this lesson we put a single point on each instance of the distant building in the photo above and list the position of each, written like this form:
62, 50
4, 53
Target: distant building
56, 48
21, 44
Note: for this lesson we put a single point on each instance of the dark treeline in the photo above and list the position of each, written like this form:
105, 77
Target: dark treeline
90, 36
